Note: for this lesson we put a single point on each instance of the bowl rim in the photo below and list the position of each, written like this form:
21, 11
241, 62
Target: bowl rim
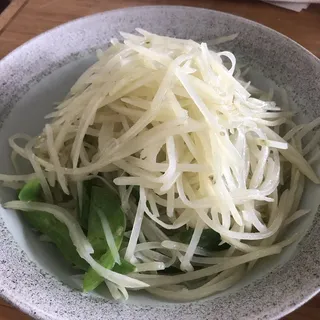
282, 308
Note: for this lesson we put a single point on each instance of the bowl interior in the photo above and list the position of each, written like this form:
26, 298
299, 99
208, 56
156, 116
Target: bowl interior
24, 111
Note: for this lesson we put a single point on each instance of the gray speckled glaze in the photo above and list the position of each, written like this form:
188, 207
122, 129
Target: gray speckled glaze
35, 290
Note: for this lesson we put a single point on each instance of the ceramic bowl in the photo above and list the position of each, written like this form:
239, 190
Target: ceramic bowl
33, 77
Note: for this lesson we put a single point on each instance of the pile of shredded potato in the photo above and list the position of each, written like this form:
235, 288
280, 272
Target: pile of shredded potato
206, 149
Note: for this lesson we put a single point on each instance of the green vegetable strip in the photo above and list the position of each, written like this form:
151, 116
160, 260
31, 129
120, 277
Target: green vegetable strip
92, 279
106, 201
209, 239
47, 224
85, 204
124, 268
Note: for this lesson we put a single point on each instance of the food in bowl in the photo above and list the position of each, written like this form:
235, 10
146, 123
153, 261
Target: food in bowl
164, 170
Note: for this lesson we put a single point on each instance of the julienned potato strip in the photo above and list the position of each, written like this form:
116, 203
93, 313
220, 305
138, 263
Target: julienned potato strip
174, 129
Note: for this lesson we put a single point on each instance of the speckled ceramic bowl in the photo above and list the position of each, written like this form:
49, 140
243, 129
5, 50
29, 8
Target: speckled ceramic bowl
40, 72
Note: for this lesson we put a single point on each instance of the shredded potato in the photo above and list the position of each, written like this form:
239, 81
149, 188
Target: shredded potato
171, 117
